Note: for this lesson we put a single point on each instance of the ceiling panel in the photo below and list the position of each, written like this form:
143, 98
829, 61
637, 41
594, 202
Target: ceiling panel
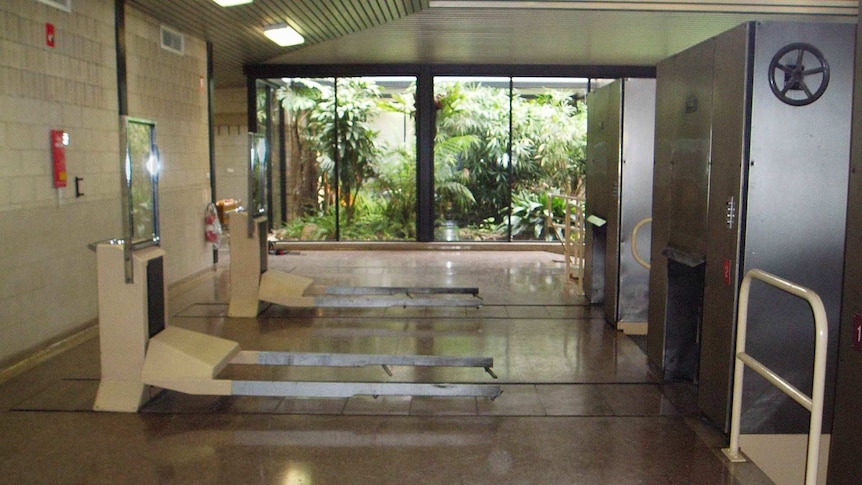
506, 36
237, 32
599, 32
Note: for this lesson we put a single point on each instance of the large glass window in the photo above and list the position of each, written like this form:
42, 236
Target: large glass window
351, 158
502, 145
471, 158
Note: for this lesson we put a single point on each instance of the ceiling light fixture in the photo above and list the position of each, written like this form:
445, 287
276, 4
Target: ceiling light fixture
283, 35
231, 3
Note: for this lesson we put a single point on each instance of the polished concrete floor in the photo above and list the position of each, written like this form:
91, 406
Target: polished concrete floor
578, 403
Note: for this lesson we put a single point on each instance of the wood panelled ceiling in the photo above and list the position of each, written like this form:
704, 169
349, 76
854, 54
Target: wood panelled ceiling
598, 32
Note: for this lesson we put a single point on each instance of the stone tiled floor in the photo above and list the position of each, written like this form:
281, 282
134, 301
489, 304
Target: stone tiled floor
578, 402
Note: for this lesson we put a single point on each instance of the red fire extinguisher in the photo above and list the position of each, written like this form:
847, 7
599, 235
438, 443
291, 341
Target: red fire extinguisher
212, 226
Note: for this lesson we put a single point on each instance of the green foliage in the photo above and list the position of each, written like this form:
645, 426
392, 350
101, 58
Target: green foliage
451, 194
342, 124
395, 187
548, 146
530, 214
377, 193
481, 113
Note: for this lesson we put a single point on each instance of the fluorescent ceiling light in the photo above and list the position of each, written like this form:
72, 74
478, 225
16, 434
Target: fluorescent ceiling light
232, 3
283, 35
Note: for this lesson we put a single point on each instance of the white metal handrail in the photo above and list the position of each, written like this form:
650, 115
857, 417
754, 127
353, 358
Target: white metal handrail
570, 233
635, 254
813, 404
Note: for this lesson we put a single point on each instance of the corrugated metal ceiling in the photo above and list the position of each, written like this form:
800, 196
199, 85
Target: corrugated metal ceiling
599, 32
237, 32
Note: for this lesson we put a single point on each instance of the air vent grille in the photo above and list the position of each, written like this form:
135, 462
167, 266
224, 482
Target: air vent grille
172, 40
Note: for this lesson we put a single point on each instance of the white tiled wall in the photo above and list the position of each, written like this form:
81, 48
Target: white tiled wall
47, 274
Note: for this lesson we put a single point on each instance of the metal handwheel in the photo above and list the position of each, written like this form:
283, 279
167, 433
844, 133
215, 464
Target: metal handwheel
795, 75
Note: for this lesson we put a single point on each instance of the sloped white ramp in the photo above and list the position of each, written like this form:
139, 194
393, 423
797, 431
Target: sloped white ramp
285, 289
187, 361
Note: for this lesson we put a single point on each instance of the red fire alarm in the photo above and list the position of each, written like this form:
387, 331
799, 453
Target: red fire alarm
49, 35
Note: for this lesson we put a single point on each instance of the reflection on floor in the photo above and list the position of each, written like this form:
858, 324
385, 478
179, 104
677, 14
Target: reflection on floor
578, 402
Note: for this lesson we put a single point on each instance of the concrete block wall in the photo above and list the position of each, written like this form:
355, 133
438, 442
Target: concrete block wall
231, 144
47, 274
169, 89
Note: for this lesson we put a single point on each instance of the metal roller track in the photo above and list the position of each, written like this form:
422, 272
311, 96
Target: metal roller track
386, 290
405, 301
311, 389
304, 359
361, 360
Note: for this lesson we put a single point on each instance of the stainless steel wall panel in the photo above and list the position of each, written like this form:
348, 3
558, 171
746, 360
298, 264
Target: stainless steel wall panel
796, 209
691, 149
636, 196
680, 184
613, 143
603, 155
731, 98
667, 81
619, 190
844, 463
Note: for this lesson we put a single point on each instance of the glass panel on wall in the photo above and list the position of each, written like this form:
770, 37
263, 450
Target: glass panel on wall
141, 188
257, 180
549, 120
369, 184
268, 122
471, 158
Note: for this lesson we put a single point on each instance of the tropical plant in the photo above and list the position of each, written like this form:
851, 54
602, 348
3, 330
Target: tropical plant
469, 109
395, 189
552, 127
342, 124
299, 98
547, 144
452, 196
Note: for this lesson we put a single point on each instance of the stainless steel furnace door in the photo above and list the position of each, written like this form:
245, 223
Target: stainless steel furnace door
731, 96
664, 133
619, 191
796, 209
603, 155
635, 197
681, 182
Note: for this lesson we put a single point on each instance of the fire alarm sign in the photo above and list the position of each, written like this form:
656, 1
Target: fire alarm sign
59, 140
49, 35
